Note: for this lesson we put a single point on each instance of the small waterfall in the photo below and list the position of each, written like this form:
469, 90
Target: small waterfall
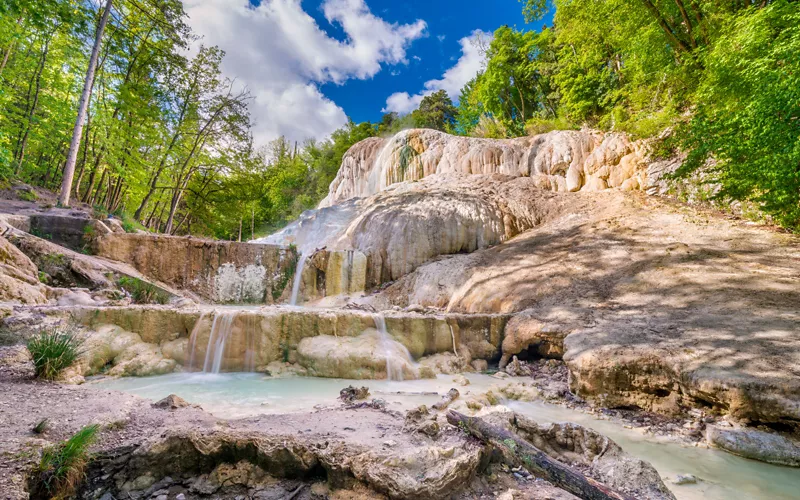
394, 370
298, 278
220, 331
193, 342
240, 345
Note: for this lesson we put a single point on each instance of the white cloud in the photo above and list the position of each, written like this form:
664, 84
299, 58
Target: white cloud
280, 53
472, 61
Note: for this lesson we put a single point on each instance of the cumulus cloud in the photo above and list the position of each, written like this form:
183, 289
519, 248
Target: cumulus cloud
280, 53
471, 61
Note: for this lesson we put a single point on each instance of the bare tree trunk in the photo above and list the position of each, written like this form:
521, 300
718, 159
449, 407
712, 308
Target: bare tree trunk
72, 156
97, 191
240, 230
150, 218
32, 113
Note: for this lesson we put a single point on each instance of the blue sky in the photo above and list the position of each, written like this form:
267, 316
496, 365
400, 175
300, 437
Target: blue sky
448, 21
310, 64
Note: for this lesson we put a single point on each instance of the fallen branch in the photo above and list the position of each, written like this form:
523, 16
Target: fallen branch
535, 460
448, 398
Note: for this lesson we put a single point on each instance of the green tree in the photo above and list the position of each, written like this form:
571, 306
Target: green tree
436, 111
748, 111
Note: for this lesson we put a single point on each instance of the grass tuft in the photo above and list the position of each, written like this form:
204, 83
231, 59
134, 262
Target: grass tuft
42, 427
53, 351
62, 466
143, 292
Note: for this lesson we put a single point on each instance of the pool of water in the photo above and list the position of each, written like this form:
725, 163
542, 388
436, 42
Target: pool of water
723, 476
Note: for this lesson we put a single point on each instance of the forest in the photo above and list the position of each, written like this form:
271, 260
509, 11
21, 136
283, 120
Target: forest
166, 142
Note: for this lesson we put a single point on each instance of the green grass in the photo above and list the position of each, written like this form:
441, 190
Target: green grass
53, 351
143, 292
27, 195
42, 427
62, 466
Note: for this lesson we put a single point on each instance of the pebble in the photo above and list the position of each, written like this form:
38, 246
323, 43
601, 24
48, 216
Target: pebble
180, 496
390, 443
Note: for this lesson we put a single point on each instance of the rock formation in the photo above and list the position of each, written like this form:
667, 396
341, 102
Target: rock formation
564, 161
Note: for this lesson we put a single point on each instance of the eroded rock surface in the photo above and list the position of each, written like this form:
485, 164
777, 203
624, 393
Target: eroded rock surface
559, 161
651, 304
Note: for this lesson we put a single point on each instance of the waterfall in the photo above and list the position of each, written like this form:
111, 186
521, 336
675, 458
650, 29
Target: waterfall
244, 341
394, 370
220, 331
193, 341
298, 279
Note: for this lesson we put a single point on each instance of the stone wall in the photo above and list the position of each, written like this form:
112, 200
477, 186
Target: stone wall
219, 271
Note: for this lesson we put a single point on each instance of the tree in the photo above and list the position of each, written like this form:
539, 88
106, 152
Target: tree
436, 111
747, 117
83, 104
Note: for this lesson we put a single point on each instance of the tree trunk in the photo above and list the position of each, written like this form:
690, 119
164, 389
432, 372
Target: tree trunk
665, 27
8, 50
72, 156
39, 71
240, 230
150, 218
534, 459
97, 191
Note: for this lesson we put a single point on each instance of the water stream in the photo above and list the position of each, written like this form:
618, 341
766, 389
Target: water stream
298, 279
233, 395
219, 339
394, 369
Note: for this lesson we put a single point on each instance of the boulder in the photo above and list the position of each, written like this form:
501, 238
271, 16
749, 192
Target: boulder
368, 356
755, 444
19, 280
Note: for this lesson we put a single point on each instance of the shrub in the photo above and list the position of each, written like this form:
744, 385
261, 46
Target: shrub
143, 292
61, 468
53, 351
27, 195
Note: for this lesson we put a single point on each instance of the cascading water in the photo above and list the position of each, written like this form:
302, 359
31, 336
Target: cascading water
220, 331
298, 278
394, 368
193, 341
220, 338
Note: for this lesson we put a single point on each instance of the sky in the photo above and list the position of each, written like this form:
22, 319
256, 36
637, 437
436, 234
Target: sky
311, 64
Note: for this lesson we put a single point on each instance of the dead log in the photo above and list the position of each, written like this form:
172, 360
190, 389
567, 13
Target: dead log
535, 460
448, 398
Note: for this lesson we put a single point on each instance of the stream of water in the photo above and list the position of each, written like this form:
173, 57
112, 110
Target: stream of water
233, 395
298, 279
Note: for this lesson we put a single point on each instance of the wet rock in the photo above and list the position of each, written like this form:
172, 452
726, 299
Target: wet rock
350, 393
461, 380
171, 402
517, 369
755, 444
362, 357
480, 365
682, 479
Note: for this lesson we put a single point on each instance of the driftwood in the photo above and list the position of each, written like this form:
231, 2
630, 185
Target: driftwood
535, 460
448, 398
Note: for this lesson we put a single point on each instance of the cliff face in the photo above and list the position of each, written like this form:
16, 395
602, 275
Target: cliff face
563, 161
